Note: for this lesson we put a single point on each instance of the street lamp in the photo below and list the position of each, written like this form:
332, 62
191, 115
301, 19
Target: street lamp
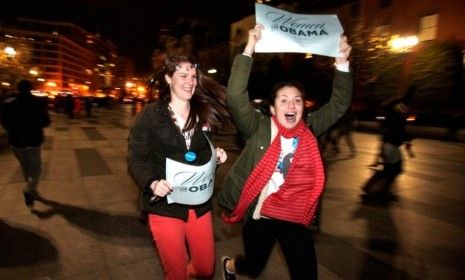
34, 72
402, 44
10, 52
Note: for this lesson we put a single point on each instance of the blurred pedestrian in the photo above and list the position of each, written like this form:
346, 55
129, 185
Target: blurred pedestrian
394, 135
24, 117
77, 106
277, 181
69, 105
177, 128
88, 105
342, 129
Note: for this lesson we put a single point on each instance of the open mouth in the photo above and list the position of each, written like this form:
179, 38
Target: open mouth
290, 117
188, 90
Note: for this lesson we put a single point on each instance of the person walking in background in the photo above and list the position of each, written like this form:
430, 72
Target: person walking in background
24, 116
77, 106
276, 183
88, 105
177, 128
342, 129
69, 105
394, 135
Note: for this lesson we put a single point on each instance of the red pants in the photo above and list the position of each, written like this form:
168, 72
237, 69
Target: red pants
171, 235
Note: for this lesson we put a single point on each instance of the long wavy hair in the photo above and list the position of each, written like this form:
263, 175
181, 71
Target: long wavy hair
207, 105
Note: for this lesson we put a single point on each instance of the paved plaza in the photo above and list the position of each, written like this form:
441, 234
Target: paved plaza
87, 225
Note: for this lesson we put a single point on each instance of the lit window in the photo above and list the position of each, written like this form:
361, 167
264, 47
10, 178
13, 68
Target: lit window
428, 27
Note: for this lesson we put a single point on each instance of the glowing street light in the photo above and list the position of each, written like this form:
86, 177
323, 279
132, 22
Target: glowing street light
33, 72
129, 84
141, 89
51, 84
10, 52
402, 44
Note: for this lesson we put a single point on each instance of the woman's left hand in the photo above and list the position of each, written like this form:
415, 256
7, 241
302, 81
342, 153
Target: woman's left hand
344, 49
221, 155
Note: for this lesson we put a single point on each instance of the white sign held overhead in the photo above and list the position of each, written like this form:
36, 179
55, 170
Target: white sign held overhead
297, 33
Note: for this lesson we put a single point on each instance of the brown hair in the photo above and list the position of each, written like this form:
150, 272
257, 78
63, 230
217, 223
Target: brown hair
208, 103
295, 84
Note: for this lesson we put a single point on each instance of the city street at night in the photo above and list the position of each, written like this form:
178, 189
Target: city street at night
86, 223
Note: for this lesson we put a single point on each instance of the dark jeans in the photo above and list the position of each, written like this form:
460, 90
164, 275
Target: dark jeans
31, 164
296, 242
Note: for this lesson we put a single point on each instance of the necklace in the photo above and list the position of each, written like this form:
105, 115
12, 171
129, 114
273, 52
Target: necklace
189, 155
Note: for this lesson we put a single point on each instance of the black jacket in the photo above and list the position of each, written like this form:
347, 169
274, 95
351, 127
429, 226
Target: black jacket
393, 128
24, 118
154, 137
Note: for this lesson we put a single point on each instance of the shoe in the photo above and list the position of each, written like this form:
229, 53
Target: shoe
375, 164
225, 273
29, 198
378, 167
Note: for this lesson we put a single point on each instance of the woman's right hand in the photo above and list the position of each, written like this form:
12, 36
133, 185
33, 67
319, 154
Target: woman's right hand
161, 188
255, 35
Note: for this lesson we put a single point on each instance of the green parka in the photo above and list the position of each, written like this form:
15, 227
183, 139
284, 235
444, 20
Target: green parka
256, 127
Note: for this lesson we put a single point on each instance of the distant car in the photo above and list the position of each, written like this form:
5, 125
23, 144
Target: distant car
128, 100
411, 117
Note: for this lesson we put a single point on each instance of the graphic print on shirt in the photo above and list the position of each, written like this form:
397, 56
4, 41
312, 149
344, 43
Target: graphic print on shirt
286, 155
283, 166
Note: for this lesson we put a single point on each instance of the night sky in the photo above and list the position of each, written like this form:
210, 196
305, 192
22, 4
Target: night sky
132, 25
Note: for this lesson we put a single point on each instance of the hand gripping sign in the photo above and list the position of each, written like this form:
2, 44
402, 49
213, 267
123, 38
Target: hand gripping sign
297, 33
192, 185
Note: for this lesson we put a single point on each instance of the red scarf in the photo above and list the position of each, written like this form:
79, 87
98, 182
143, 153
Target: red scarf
297, 198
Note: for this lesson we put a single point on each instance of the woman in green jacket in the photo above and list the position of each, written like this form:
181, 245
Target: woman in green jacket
277, 181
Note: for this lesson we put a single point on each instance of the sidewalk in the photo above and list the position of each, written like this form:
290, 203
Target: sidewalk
87, 224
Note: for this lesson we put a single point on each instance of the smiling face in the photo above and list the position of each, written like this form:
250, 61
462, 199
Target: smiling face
183, 81
288, 106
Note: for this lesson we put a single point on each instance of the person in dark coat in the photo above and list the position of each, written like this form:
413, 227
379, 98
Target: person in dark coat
88, 104
342, 129
172, 136
24, 117
69, 104
394, 136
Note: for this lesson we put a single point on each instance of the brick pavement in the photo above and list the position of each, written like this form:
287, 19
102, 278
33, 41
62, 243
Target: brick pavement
87, 224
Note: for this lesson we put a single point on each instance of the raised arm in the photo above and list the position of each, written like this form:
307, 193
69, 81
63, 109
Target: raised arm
341, 95
244, 115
